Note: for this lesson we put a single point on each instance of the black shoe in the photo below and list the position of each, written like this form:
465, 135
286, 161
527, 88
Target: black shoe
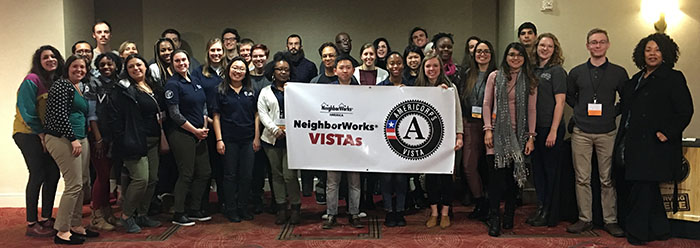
281, 217
579, 226
390, 219
182, 220
535, 214
244, 214
400, 220
320, 199
74, 240
258, 208
355, 222
199, 215
542, 219
295, 214
481, 211
144, 221
233, 217
306, 190
329, 223
88, 234
508, 215
494, 224
614, 230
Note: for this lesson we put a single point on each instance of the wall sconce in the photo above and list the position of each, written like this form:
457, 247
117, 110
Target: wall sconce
661, 13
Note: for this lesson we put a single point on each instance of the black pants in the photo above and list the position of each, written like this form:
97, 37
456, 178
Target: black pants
217, 173
502, 185
546, 163
646, 216
43, 174
238, 172
260, 169
394, 183
440, 189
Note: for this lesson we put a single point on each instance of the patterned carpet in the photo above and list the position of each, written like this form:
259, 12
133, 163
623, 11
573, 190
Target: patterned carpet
262, 232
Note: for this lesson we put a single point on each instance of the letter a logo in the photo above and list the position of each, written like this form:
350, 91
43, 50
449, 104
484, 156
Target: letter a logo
414, 128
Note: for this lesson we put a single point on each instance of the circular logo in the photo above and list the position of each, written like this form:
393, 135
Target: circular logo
414, 129
169, 94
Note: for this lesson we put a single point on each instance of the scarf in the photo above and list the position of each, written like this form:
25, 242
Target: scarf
476, 98
509, 145
450, 68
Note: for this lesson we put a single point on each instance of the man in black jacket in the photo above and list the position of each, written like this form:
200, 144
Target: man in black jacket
304, 69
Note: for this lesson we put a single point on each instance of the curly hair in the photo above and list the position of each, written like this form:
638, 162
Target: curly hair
669, 50
557, 55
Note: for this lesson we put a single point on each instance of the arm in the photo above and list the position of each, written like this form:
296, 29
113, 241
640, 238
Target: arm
489, 101
263, 115
619, 88
556, 119
682, 108
256, 139
531, 121
220, 146
60, 102
26, 105
571, 89
458, 120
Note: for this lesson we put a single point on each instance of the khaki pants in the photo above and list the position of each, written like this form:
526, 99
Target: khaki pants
76, 173
285, 182
582, 145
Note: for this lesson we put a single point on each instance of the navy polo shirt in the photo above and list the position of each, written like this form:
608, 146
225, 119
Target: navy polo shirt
209, 84
386, 82
189, 96
353, 81
237, 113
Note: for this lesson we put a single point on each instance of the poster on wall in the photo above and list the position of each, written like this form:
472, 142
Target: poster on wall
370, 128
688, 188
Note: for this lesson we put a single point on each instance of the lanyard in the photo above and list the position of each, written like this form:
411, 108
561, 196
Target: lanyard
600, 81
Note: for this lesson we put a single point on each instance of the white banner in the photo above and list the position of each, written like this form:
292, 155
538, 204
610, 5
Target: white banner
370, 128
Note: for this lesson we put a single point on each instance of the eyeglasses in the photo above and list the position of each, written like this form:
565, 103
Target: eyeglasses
596, 42
481, 51
282, 69
515, 55
238, 69
230, 39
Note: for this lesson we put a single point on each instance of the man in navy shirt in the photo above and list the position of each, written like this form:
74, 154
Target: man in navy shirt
328, 53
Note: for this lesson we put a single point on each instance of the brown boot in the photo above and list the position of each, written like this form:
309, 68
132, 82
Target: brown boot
110, 218
98, 221
445, 221
432, 221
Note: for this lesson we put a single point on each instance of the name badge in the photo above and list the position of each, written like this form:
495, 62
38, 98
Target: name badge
280, 123
595, 109
476, 112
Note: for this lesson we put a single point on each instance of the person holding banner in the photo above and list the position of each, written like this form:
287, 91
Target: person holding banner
343, 69
285, 182
237, 137
440, 186
186, 102
511, 94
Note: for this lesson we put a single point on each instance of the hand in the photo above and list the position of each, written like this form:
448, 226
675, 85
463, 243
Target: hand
444, 86
99, 149
529, 146
661, 137
256, 144
209, 120
77, 148
551, 139
220, 147
43, 141
279, 133
201, 133
488, 139
458, 142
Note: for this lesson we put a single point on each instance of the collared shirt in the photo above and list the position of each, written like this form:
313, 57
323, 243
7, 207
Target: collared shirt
353, 81
552, 81
387, 82
189, 96
237, 113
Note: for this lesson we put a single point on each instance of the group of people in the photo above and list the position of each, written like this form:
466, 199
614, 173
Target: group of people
224, 120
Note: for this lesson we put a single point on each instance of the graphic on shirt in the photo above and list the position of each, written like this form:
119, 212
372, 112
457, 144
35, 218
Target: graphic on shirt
414, 129
169, 94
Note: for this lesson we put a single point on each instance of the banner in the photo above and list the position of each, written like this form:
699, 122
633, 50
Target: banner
370, 128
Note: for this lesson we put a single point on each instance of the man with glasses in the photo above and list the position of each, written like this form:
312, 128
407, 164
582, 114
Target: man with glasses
591, 89
230, 38
344, 45
84, 49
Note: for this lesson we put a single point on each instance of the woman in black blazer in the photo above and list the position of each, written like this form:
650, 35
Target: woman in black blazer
656, 106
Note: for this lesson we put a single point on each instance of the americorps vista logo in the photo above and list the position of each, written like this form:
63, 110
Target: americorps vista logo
414, 129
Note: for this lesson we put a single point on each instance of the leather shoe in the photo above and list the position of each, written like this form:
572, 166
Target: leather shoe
579, 226
432, 221
74, 240
88, 234
614, 230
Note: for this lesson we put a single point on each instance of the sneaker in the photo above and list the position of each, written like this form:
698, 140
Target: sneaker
144, 221
614, 230
362, 214
579, 226
130, 225
390, 220
329, 223
355, 222
198, 216
320, 199
182, 220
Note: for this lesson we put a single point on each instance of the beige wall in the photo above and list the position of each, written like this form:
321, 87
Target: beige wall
571, 20
79, 19
27, 25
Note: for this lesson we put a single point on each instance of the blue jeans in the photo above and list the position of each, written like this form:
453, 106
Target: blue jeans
394, 183
239, 159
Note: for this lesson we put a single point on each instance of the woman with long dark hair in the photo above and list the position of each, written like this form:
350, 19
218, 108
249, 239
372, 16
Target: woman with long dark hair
186, 102
66, 141
440, 186
510, 95
412, 57
29, 135
161, 70
383, 51
137, 116
656, 107
472, 98
237, 137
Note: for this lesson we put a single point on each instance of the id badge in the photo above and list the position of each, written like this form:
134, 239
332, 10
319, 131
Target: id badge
595, 109
280, 123
476, 112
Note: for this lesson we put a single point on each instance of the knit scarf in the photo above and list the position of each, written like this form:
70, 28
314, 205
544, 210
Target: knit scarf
450, 68
509, 145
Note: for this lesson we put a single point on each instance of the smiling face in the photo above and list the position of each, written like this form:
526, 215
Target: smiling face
237, 71
514, 59
413, 60
230, 41
101, 33
545, 48
136, 69
444, 48
432, 69
164, 51
84, 50
48, 60
244, 51
281, 73
181, 63
419, 38
107, 66
129, 50
328, 55
76, 70
382, 49
598, 45
215, 53
259, 58
652, 55
368, 57
483, 54
395, 65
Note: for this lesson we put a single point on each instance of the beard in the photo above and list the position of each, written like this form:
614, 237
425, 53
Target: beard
294, 58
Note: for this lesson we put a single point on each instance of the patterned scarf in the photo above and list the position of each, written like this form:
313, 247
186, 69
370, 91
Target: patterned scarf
450, 68
509, 145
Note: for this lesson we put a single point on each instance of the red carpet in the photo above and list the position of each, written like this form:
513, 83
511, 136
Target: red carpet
262, 232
